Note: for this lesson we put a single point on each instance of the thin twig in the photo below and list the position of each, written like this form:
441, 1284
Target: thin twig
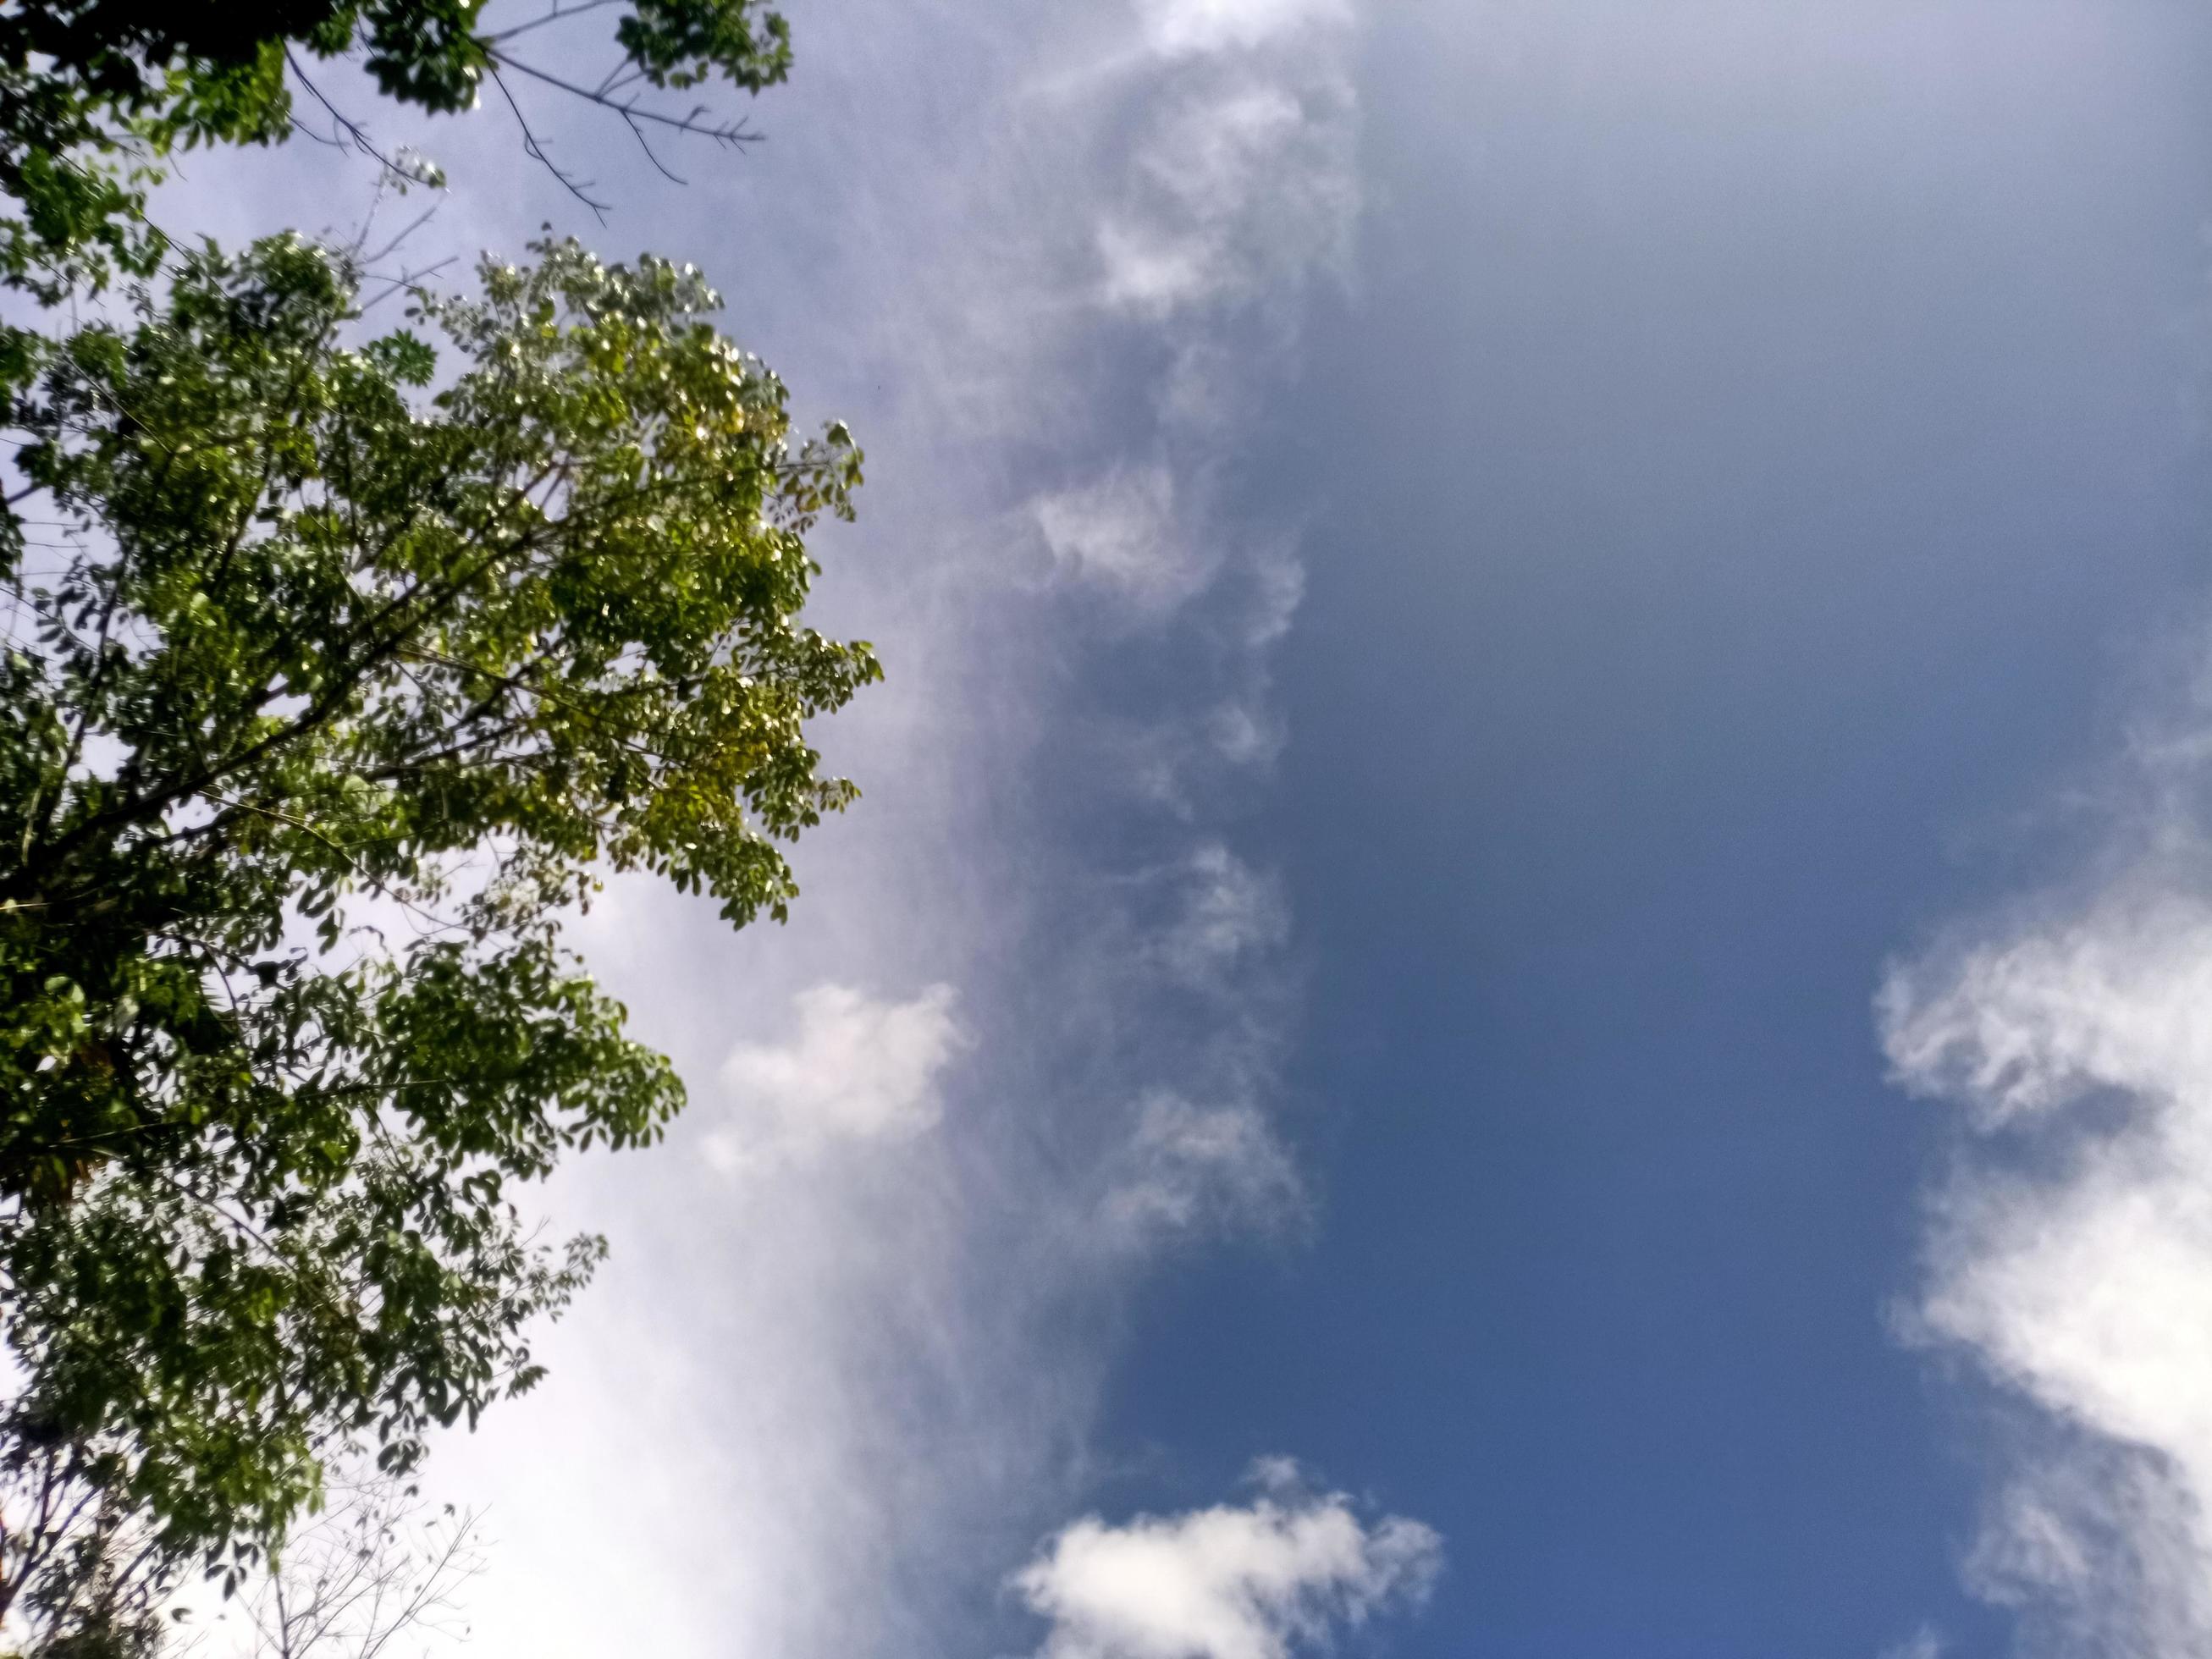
352, 129
392, 246
731, 133
556, 16
536, 151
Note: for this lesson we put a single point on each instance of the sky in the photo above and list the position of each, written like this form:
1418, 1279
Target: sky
1520, 972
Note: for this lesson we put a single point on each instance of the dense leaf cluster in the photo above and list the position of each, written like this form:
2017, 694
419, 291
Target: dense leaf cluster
338, 672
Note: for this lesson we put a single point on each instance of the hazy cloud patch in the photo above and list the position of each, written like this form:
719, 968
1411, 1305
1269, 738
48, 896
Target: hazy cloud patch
1189, 1169
1244, 190
1923, 1644
1121, 533
1175, 27
1229, 912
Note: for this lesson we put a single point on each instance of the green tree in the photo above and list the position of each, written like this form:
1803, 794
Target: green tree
327, 696
94, 93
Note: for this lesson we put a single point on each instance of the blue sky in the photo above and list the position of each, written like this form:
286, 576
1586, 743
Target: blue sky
1730, 526
1517, 977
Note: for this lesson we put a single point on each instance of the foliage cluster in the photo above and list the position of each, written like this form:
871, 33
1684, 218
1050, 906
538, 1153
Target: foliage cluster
337, 669
328, 695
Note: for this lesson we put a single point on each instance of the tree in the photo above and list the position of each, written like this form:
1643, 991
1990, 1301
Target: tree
93, 93
98, 1576
376, 1565
327, 696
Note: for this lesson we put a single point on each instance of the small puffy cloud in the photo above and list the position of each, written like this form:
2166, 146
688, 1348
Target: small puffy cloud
1176, 28
1189, 1169
1285, 1572
857, 1070
1154, 269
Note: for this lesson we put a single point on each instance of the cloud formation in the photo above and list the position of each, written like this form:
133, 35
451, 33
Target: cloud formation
1196, 231
1189, 1169
1120, 534
857, 1069
1288, 1570
2068, 1253
834, 1407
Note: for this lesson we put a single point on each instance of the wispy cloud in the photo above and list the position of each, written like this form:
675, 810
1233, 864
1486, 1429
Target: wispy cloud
1194, 230
1120, 534
1227, 912
1193, 1169
1256, 1581
2068, 1253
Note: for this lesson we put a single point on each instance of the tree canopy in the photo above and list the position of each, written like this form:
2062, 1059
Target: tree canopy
92, 93
338, 669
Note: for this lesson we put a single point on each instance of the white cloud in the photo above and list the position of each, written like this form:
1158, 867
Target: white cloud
2068, 1253
856, 1070
2091, 1288
1149, 270
1189, 1169
1285, 1571
1178, 26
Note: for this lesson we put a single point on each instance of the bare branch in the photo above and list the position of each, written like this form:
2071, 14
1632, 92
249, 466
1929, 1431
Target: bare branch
376, 1567
392, 246
638, 133
730, 133
356, 136
407, 282
536, 151
559, 14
